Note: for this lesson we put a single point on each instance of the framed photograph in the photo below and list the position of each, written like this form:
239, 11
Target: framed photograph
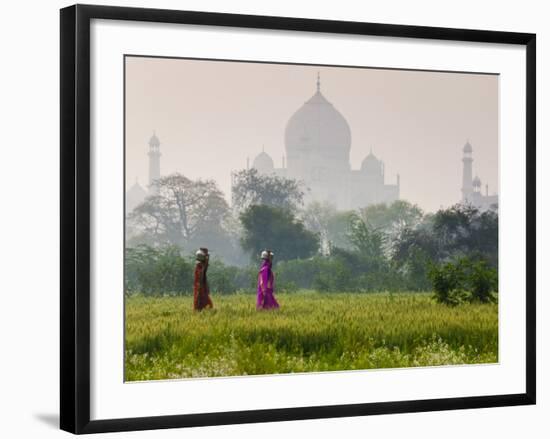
273, 218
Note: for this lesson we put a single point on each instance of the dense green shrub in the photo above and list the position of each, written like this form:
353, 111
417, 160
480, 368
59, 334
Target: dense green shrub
157, 271
448, 282
463, 280
300, 272
335, 276
152, 271
222, 278
483, 281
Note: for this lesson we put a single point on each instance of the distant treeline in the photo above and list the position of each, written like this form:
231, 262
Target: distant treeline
381, 247
371, 264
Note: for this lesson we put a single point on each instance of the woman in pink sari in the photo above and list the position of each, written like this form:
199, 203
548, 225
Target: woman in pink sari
266, 283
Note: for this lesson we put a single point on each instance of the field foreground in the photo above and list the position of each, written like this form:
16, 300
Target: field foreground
311, 332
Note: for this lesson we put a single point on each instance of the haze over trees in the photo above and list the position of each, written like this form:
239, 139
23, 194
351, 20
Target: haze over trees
395, 247
183, 213
252, 188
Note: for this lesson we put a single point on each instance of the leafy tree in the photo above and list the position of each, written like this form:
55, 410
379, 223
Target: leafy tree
278, 229
459, 231
366, 239
252, 188
451, 228
392, 219
338, 230
482, 281
183, 212
448, 282
464, 230
464, 279
331, 225
317, 218
412, 251
364, 267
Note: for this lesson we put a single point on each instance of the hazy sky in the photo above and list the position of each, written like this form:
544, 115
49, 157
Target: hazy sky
211, 115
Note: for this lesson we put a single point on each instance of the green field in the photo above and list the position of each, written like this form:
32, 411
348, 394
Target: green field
312, 331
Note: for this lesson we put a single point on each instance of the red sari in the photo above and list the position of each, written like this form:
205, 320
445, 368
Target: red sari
201, 291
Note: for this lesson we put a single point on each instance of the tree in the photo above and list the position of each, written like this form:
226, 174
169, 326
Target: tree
182, 212
252, 188
464, 230
276, 228
458, 231
392, 219
338, 230
413, 251
317, 218
147, 223
464, 279
366, 239
331, 225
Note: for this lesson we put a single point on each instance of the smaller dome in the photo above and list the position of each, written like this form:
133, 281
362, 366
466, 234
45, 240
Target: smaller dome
476, 182
263, 163
371, 165
137, 191
135, 196
467, 147
154, 140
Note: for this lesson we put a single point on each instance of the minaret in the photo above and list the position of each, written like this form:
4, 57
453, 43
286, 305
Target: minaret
154, 162
318, 82
467, 184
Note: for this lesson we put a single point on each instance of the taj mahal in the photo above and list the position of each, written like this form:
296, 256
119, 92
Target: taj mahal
317, 145
317, 142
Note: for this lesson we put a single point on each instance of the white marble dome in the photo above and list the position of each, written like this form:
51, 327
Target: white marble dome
263, 163
371, 165
319, 128
135, 196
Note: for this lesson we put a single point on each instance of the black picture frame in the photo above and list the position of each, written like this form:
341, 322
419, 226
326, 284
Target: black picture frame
75, 217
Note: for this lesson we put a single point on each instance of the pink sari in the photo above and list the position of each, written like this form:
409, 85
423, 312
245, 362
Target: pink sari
266, 285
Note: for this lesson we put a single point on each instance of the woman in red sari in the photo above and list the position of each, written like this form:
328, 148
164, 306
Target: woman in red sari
201, 291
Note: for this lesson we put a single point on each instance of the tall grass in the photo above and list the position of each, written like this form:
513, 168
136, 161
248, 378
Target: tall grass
311, 332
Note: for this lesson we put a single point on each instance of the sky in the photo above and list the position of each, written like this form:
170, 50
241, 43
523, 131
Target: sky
211, 115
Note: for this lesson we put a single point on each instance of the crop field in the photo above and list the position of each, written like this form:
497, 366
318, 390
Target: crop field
311, 332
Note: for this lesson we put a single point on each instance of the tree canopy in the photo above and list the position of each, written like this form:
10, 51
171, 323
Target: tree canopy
183, 212
278, 229
252, 188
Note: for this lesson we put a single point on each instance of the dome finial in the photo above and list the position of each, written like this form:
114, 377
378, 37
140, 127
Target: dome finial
318, 81
154, 140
